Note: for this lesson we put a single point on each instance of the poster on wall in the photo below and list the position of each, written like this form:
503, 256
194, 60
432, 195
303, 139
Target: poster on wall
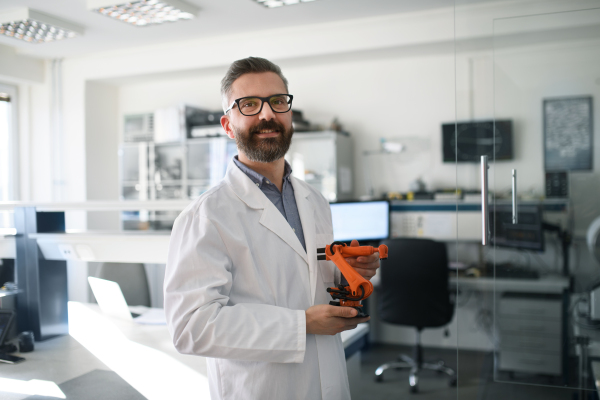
568, 134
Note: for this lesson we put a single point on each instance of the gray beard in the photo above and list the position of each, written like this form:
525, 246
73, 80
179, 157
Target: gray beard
263, 150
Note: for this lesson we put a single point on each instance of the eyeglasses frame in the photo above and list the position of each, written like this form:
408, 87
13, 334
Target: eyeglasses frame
263, 100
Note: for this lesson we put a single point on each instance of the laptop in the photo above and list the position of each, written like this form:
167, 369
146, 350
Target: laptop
112, 303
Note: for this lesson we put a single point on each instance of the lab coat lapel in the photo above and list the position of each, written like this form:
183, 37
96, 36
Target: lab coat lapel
271, 217
307, 217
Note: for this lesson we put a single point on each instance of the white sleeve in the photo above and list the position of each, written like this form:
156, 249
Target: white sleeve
197, 284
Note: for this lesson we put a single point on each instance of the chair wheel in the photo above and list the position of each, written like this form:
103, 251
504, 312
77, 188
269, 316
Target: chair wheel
379, 378
452, 382
414, 389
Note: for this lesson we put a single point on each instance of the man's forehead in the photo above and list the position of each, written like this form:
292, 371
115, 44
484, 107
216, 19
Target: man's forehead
258, 84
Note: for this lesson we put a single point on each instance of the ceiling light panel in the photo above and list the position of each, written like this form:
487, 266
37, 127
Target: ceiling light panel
36, 27
144, 12
280, 3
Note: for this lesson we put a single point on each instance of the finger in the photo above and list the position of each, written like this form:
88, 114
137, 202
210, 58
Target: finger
349, 327
355, 264
366, 273
373, 258
354, 243
344, 312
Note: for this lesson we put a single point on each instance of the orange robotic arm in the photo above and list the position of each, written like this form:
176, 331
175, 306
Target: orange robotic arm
358, 288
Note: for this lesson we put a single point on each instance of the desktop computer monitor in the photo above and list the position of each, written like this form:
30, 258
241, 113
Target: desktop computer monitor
528, 234
360, 220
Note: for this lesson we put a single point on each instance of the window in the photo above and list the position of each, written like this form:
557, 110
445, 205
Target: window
8, 143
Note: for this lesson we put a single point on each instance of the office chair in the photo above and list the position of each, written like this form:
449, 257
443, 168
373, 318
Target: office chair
132, 279
414, 292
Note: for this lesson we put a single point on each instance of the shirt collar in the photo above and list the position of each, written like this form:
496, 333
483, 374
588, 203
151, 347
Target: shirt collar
257, 178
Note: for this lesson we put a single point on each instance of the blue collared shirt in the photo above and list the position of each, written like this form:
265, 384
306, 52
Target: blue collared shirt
284, 200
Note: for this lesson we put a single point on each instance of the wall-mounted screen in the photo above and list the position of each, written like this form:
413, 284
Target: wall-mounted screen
360, 220
468, 141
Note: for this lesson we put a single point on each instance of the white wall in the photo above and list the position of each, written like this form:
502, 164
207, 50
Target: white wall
376, 98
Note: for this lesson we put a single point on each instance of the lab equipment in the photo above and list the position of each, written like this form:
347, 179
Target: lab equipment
350, 296
526, 234
360, 220
325, 161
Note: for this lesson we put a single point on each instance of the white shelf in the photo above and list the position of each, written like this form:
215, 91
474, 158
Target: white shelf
118, 205
134, 247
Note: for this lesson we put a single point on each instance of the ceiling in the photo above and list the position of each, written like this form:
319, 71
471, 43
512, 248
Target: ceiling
216, 17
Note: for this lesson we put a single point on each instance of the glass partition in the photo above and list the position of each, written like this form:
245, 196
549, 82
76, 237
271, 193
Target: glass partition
545, 78
526, 78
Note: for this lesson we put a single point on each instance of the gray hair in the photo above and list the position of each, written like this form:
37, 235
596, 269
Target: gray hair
246, 66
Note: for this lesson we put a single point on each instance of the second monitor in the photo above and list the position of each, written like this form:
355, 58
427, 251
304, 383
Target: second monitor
360, 220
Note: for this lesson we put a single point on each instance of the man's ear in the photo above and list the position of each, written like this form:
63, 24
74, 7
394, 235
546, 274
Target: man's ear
226, 124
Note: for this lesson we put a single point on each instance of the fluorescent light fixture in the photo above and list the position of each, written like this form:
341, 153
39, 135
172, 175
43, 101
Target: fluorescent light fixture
36, 27
144, 12
279, 3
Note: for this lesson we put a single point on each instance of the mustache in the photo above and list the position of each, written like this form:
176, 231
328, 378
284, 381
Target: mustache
272, 125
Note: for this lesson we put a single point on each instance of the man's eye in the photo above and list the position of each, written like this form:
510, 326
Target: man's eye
249, 104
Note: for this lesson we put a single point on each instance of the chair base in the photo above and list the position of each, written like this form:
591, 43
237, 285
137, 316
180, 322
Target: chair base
406, 362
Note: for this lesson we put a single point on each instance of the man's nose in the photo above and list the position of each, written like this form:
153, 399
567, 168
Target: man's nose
266, 113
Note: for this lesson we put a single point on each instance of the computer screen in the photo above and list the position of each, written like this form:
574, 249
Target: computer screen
360, 220
527, 234
468, 141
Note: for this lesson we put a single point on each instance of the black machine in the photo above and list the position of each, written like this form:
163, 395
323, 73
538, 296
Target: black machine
468, 141
528, 234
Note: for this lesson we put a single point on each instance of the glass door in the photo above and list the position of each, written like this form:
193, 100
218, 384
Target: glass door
547, 83
528, 81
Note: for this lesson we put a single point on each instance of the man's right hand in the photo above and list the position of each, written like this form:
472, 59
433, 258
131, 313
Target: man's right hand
324, 319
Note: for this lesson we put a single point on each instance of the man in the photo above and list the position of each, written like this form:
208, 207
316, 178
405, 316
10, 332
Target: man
243, 286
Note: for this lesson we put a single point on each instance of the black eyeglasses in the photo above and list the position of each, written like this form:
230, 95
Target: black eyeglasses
279, 103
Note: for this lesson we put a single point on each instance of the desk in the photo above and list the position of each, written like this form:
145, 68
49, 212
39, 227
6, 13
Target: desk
552, 284
143, 355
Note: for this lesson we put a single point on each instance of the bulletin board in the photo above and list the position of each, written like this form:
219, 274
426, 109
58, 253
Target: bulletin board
568, 133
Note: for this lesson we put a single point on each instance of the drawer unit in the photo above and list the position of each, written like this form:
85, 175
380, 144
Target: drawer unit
530, 362
530, 308
530, 328
529, 343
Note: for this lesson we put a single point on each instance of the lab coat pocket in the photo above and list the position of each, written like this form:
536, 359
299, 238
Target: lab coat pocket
327, 269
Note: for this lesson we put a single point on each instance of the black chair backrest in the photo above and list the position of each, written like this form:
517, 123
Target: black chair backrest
414, 284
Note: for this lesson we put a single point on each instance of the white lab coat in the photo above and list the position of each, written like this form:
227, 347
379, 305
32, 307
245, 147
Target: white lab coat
237, 284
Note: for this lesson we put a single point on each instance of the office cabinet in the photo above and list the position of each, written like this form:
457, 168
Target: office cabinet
530, 333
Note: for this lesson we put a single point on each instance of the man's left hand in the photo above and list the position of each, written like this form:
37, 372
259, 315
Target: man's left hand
364, 265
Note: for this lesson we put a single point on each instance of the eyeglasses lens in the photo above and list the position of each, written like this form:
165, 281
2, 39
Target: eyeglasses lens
280, 103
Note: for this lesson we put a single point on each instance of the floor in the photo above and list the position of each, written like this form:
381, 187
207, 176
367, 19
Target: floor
475, 375
475, 379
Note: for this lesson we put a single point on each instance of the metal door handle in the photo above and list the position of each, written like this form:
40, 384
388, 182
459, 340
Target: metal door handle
515, 210
485, 215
